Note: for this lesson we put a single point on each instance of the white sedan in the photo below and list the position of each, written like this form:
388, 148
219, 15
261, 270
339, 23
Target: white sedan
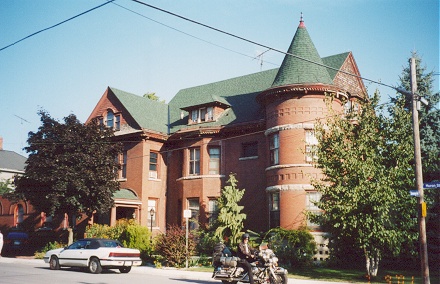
95, 254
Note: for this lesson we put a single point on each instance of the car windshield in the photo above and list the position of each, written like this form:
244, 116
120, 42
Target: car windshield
78, 245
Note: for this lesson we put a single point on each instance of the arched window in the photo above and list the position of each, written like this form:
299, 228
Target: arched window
110, 119
18, 215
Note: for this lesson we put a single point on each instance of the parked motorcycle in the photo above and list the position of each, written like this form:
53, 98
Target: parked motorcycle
231, 269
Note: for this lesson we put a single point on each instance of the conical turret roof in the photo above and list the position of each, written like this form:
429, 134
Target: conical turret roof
296, 70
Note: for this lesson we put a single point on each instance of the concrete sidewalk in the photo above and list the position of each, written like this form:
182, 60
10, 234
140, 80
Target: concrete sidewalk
149, 270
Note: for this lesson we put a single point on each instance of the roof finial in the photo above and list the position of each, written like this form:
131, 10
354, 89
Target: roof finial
301, 21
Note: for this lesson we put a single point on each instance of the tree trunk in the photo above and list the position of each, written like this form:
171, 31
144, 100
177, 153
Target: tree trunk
70, 239
372, 264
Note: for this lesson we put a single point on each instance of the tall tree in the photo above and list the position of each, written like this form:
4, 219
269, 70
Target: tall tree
429, 124
230, 219
71, 167
360, 199
429, 116
152, 96
400, 162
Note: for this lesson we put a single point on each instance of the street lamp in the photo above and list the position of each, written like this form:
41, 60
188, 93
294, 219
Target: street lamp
187, 215
151, 222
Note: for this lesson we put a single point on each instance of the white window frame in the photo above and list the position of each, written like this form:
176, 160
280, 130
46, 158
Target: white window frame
274, 207
214, 160
274, 148
310, 147
209, 113
311, 198
194, 161
193, 204
110, 119
152, 204
202, 114
121, 159
118, 122
153, 174
195, 115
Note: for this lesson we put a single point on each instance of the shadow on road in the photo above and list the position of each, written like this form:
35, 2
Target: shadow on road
193, 281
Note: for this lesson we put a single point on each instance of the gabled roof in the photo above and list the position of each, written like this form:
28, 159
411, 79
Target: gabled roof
336, 62
301, 68
12, 162
239, 93
204, 99
148, 114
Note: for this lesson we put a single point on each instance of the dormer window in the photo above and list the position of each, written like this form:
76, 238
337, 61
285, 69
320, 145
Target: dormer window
111, 120
202, 114
118, 122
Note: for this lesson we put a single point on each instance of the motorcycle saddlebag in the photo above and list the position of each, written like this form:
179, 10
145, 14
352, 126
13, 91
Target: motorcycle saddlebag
230, 261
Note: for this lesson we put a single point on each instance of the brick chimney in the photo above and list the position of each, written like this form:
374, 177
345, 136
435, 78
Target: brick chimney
1, 143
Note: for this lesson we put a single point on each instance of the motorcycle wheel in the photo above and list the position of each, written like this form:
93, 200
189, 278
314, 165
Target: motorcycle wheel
279, 279
232, 282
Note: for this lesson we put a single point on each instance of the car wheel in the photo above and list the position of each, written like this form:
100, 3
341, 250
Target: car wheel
54, 263
95, 266
125, 269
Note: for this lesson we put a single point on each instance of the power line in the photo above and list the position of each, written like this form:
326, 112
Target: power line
185, 33
60, 23
22, 119
206, 26
259, 44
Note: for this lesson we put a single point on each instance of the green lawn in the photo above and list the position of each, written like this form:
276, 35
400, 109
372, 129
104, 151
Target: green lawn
353, 275
359, 276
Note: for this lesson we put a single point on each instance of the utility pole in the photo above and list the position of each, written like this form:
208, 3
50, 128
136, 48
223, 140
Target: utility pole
419, 177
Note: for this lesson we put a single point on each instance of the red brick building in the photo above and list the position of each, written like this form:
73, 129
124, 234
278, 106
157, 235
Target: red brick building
14, 214
178, 156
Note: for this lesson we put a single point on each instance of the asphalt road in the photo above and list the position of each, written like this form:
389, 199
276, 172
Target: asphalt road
27, 270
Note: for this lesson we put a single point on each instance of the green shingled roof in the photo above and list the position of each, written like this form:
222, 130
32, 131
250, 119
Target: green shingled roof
239, 93
124, 194
206, 100
294, 70
336, 62
147, 113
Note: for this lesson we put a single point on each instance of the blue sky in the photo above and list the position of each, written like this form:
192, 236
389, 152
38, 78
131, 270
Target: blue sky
66, 69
